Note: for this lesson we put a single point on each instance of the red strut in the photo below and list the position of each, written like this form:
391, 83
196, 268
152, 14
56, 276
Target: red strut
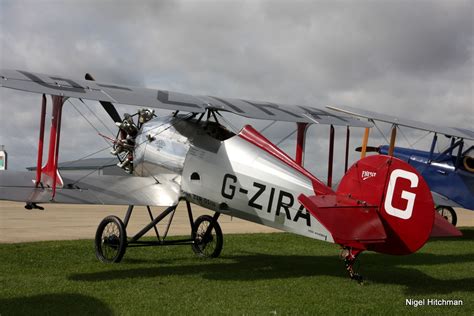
300, 142
331, 155
49, 174
40, 142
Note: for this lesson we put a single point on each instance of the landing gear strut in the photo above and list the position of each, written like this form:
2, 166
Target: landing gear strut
349, 255
111, 239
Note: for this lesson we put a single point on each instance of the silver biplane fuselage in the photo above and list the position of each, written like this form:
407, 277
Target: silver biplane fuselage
381, 204
223, 172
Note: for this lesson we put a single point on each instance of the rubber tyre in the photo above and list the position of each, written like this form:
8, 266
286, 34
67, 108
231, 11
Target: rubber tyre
448, 213
110, 240
212, 247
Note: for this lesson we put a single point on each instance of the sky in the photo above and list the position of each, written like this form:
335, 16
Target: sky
412, 59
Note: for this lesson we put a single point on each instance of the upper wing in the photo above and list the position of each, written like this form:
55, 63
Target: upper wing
449, 131
93, 90
93, 189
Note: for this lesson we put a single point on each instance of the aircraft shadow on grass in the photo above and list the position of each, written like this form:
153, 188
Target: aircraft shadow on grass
385, 269
54, 304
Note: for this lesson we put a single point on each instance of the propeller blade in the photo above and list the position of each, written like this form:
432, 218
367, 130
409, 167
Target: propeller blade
108, 107
369, 149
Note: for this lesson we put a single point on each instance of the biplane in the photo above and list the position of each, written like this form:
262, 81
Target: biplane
382, 203
449, 173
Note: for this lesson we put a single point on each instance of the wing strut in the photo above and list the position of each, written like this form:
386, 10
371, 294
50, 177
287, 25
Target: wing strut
48, 174
364, 143
331, 155
393, 137
41, 141
300, 142
346, 156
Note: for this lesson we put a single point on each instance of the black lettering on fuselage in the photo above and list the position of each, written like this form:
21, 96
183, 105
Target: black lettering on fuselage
285, 199
303, 213
286, 206
261, 189
231, 187
270, 200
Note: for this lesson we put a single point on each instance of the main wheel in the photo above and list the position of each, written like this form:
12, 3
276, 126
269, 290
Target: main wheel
448, 213
110, 240
207, 246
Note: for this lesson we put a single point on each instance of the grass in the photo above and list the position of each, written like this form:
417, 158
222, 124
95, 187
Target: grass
263, 274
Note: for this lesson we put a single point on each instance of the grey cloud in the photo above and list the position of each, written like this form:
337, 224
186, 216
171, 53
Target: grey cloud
408, 58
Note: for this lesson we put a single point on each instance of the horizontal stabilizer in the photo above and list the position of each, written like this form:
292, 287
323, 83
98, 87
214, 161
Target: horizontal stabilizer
443, 228
345, 219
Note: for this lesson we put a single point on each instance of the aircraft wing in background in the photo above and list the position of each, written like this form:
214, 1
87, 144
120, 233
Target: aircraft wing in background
448, 131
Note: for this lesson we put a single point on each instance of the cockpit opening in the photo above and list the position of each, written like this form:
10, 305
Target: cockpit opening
217, 131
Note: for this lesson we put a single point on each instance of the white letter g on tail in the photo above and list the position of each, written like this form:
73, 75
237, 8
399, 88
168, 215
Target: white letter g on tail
408, 196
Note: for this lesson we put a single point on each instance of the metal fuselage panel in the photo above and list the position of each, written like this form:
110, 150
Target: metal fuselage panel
231, 176
241, 180
160, 148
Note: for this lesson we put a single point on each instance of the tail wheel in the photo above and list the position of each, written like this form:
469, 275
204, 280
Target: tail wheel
110, 240
448, 213
209, 245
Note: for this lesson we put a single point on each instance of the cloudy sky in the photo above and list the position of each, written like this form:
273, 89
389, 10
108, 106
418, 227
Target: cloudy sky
413, 59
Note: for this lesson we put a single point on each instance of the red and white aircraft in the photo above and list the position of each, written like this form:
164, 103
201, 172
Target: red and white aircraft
381, 204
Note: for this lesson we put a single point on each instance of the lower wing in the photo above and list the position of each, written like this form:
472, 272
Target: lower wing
93, 189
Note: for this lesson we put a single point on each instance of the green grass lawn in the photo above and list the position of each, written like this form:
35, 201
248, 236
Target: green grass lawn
264, 274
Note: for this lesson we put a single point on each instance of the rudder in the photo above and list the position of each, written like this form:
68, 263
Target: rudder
404, 201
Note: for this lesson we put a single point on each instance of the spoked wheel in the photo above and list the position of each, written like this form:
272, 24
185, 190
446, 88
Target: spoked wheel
448, 213
110, 240
209, 245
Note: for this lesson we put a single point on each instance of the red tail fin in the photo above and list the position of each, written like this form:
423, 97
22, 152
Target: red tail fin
395, 198
443, 228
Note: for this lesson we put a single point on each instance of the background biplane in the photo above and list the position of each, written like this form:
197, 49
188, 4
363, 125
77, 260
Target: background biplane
449, 173
381, 204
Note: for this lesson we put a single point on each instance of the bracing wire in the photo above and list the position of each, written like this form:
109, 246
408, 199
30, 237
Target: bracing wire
87, 156
96, 169
381, 133
406, 139
87, 120
112, 159
285, 138
419, 139
266, 127
97, 117
229, 124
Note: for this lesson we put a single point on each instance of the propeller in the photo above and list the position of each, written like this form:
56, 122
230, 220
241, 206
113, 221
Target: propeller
108, 107
369, 149
124, 143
